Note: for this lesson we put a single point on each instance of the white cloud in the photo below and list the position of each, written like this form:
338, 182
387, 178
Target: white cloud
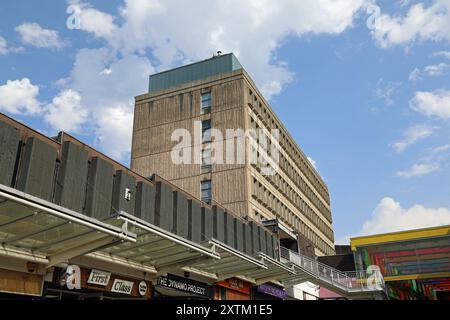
180, 31
5, 48
94, 21
436, 70
418, 170
440, 149
415, 75
445, 54
108, 97
313, 162
66, 112
114, 130
412, 135
431, 70
19, 96
387, 91
390, 216
420, 23
432, 104
33, 34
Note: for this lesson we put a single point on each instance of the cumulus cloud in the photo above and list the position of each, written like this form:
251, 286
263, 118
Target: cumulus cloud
313, 162
390, 216
412, 135
108, 96
179, 32
6, 48
253, 30
420, 23
34, 35
418, 170
445, 54
66, 112
99, 23
433, 70
432, 104
19, 97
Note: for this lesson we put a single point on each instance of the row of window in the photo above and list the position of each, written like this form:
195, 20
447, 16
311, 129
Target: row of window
277, 207
287, 145
284, 187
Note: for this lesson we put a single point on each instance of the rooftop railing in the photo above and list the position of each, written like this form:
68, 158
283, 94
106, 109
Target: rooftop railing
359, 281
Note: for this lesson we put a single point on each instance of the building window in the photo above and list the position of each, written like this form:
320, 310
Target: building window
206, 103
205, 190
206, 131
206, 159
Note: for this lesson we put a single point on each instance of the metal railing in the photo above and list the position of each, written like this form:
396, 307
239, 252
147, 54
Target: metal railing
358, 281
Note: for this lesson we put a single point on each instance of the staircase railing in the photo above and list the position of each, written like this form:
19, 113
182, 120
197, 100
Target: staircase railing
348, 281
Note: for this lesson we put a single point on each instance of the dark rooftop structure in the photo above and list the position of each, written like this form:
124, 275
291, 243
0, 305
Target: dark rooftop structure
195, 71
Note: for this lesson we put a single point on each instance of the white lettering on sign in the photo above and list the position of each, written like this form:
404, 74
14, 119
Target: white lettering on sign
122, 286
98, 277
142, 288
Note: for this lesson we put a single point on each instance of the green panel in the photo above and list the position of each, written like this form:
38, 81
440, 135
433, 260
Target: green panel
229, 230
263, 240
255, 236
99, 189
195, 221
9, 144
219, 224
192, 72
248, 239
207, 224
122, 182
145, 202
181, 214
239, 235
72, 177
37, 169
164, 206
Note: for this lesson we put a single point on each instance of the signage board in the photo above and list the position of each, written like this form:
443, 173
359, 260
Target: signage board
98, 277
122, 286
186, 285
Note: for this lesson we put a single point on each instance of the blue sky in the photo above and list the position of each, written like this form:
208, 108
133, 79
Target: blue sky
367, 99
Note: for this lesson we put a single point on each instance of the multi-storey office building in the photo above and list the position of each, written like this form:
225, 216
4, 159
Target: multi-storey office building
218, 93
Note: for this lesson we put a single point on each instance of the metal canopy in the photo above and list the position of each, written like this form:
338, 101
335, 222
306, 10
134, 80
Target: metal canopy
275, 270
155, 247
232, 263
37, 230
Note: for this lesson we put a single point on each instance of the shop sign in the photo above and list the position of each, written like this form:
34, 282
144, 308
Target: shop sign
98, 277
122, 286
235, 284
185, 285
142, 288
272, 291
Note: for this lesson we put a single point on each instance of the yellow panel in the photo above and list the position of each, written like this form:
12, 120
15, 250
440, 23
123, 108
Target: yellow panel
400, 236
418, 276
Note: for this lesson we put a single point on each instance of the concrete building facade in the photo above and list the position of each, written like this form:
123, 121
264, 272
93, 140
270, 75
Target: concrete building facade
218, 93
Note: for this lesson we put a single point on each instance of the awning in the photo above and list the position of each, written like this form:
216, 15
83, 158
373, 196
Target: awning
155, 247
275, 271
36, 230
234, 263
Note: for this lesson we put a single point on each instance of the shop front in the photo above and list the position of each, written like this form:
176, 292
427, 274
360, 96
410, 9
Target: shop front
176, 287
268, 292
232, 289
80, 283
